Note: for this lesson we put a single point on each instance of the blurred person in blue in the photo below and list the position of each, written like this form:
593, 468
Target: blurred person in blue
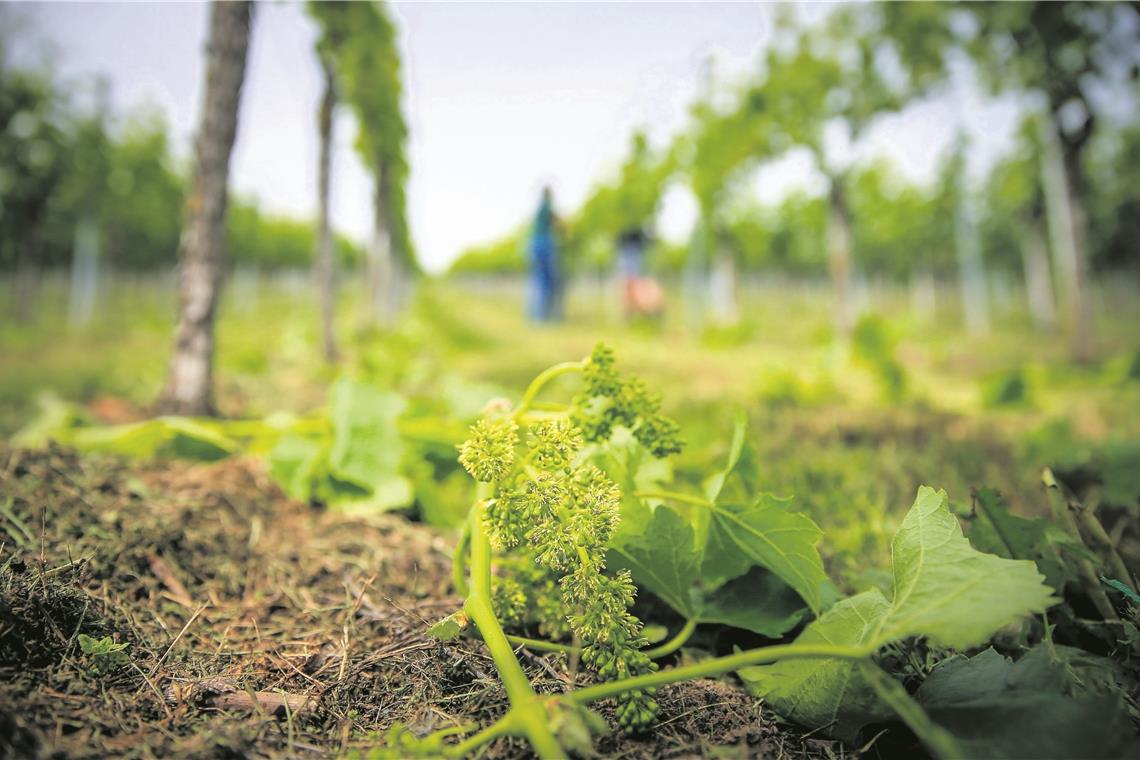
546, 277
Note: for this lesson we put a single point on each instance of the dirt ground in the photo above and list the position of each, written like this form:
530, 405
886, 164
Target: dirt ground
259, 627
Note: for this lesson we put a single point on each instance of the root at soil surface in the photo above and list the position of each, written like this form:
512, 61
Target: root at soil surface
257, 627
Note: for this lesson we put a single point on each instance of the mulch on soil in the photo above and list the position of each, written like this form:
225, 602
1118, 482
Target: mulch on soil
259, 627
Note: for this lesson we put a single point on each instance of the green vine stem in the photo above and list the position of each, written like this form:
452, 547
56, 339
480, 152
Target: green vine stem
527, 714
541, 646
544, 377
668, 647
459, 560
675, 643
717, 666
938, 740
550, 407
700, 501
501, 727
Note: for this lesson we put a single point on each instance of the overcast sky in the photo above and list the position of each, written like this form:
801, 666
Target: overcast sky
501, 98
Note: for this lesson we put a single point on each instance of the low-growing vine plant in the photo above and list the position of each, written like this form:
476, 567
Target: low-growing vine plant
570, 511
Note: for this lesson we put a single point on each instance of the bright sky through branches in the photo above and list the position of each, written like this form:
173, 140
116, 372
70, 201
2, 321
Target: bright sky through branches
501, 99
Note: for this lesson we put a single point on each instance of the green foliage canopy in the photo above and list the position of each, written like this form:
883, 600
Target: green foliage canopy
361, 41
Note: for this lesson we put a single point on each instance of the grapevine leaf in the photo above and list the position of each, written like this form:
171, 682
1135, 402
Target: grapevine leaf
744, 527
576, 726
392, 492
765, 533
195, 439
994, 529
440, 502
55, 420
136, 439
294, 462
450, 627
671, 552
367, 448
946, 590
739, 481
1119, 464
940, 742
943, 589
757, 601
162, 436
1053, 702
663, 560
633, 468
827, 692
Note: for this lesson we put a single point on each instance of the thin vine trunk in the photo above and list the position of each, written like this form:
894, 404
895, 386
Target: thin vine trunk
325, 265
840, 260
397, 275
723, 288
1066, 219
695, 275
1083, 327
25, 280
84, 272
378, 264
189, 380
971, 268
1038, 279
923, 294
382, 275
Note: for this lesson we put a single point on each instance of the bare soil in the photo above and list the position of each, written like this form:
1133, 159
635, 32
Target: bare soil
260, 627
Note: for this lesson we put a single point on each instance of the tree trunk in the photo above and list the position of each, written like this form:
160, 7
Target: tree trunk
923, 294
1083, 327
189, 380
325, 265
839, 259
722, 288
1066, 219
378, 266
383, 271
84, 272
245, 288
1038, 278
25, 280
695, 276
971, 269
394, 284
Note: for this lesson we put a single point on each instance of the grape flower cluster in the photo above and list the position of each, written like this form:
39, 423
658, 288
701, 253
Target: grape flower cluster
609, 400
553, 514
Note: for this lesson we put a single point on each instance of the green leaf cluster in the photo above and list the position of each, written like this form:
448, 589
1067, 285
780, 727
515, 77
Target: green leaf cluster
1053, 702
63, 164
355, 465
177, 437
361, 41
732, 555
944, 590
737, 556
104, 655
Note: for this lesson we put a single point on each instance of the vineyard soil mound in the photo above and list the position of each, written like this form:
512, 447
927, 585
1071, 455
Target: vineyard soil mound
255, 626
